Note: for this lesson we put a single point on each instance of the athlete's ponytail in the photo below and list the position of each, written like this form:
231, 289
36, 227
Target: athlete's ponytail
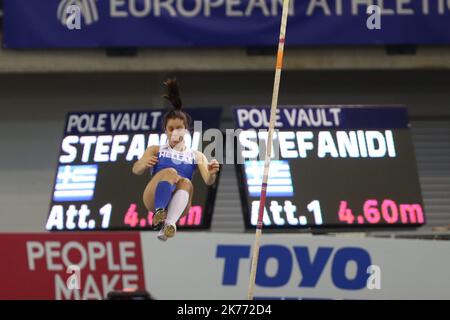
173, 95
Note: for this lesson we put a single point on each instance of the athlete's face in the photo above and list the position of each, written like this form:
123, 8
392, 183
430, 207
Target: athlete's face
175, 130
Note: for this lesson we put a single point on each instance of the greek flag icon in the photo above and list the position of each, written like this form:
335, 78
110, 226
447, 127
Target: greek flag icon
75, 183
279, 183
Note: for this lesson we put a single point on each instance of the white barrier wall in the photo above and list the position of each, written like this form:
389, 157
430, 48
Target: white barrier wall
216, 266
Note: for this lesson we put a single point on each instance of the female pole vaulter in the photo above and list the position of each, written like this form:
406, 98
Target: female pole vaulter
169, 192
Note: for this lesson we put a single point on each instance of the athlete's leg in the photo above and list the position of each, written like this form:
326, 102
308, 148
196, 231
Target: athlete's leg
158, 192
191, 193
179, 205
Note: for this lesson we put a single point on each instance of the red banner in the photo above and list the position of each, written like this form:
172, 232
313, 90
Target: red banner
69, 265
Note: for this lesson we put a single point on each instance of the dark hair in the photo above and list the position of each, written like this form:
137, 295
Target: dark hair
173, 95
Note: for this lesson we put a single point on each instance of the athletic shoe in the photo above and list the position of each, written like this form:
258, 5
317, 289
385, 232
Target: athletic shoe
158, 218
170, 230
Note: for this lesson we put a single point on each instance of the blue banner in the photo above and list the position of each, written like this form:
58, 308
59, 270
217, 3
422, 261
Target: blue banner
114, 122
323, 117
184, 23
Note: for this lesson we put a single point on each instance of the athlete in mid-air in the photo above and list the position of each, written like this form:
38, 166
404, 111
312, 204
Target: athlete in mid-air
169, 192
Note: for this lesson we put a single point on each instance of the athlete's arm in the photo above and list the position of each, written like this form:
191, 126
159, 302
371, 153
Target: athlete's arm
148, 160
208, 170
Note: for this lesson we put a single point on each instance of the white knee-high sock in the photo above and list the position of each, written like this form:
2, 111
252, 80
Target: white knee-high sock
177, 205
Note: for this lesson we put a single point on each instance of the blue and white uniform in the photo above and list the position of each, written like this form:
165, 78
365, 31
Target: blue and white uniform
182, 161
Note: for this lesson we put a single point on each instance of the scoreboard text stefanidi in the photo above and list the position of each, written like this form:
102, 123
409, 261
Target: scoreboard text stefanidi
332, 167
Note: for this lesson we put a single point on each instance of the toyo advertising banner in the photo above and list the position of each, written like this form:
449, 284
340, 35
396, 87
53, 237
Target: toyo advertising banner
184, 23
217, 266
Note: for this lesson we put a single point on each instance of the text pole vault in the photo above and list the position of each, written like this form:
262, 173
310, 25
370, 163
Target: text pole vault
273, 110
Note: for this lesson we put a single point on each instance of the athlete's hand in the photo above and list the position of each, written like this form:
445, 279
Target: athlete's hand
151, 161
213, 166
